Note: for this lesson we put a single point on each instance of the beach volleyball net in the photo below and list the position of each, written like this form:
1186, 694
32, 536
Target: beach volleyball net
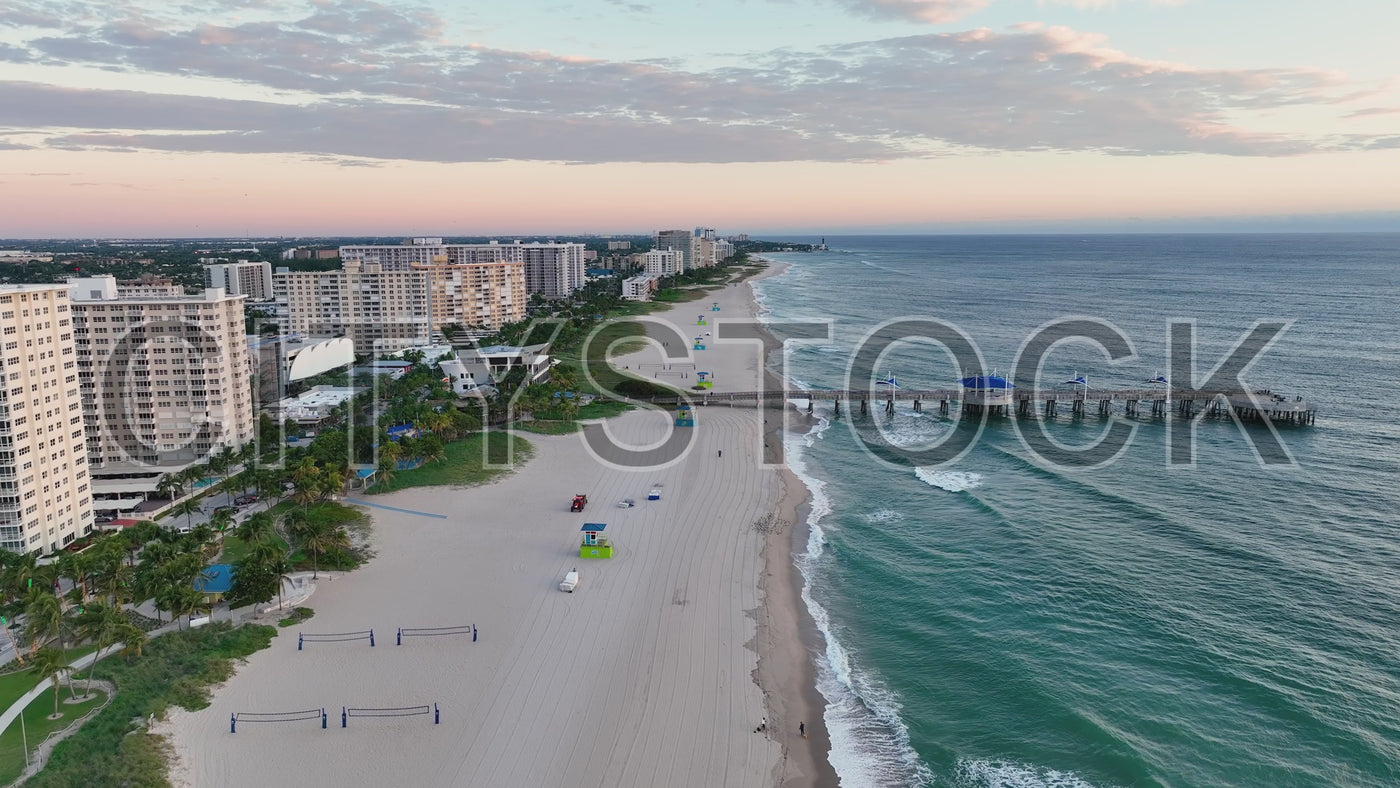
334, 637
418, 632
276, 716
346, 712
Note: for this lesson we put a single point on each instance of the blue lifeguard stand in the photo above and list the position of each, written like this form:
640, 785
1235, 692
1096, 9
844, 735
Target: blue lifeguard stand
705, 382
715, 307
699, 343
685, 417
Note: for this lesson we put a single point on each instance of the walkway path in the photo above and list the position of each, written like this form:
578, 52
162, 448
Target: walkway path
361, 502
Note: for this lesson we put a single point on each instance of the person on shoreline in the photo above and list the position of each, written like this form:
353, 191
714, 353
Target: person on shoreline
802, 729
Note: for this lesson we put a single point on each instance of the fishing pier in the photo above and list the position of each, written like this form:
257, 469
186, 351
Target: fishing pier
1254, 406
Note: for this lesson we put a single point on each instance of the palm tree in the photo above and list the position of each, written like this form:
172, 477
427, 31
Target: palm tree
272, 559
308, 491
320, 538
132, 637
186, 601
43, 619
101, 625
115, 577
77, 567
50, 664
221, 520
168, 486
258, 528
187, 508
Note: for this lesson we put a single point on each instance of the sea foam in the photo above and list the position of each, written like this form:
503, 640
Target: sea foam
1004, 774
952, 481
869, 742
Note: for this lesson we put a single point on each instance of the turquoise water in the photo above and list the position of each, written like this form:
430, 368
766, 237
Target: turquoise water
1001, 622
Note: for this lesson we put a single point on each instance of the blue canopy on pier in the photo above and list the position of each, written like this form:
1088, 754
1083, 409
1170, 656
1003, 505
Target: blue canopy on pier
1078, 381
987, 382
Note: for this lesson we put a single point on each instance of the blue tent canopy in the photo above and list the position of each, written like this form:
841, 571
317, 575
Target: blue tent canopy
987, 382
1079, 381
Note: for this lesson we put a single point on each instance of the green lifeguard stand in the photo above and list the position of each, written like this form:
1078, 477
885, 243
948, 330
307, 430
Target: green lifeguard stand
700, 320
595, 545
699, 343
685, 417
714, 307
705, 382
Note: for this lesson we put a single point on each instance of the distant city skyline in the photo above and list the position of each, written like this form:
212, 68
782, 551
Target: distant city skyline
830, 116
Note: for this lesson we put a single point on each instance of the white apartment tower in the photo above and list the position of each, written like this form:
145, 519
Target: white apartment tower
45, 500
554, 270
663, 262
379, 310
251, 279
165, 384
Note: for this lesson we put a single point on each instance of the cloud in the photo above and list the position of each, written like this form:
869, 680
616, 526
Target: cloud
937, 12
942, 12
374, 82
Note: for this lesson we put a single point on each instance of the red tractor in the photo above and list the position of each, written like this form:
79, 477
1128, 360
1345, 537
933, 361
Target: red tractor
580, 501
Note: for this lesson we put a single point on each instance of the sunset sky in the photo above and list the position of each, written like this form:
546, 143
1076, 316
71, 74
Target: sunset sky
781, 116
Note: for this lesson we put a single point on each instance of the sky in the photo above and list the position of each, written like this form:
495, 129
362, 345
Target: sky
263, 117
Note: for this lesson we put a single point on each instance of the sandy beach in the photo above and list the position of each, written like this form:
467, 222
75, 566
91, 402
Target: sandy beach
645, 676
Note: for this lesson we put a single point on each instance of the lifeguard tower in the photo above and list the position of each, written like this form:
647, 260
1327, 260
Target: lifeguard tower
705, 382
699, 343
714, 307
685, 417
595, 545
700, 320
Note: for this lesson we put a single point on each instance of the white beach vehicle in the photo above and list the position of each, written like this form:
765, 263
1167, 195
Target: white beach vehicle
654, 495
570, 581
626, 503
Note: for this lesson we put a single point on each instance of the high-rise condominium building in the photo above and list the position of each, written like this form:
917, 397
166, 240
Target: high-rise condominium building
681, 241
379, 310
485, 295
165, 384
390, 310
663, 262
45, 500
251, 279
554, 270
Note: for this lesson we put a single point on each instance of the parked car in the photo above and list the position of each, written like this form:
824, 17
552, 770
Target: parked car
246, 500
229, 509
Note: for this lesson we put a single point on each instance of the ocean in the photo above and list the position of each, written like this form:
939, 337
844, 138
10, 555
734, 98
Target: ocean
999, 621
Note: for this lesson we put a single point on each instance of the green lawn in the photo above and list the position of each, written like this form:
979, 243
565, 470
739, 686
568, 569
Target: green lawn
13, 685
235, 549
549, 426
37, 725
177, 670
461, 464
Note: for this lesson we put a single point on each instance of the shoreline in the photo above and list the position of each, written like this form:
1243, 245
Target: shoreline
789, 640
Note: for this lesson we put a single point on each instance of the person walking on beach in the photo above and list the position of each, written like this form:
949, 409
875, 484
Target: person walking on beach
721, 452
802, 729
